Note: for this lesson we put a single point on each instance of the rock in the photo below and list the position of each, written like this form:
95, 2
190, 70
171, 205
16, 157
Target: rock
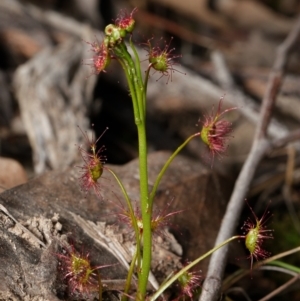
52, 206
12, 173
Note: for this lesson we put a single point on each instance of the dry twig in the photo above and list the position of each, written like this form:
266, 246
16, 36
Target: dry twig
281, 288
232, 279
291, 137
247, 104
212, 284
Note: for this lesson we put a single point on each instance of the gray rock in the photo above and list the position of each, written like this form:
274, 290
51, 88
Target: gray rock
36, 218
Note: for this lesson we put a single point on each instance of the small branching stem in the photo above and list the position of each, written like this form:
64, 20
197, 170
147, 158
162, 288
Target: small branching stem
133, 219
100, 285
129, 276
167, 164
192, 264
147, 75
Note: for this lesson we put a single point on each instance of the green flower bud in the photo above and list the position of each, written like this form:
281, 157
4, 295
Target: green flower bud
255, 234
115, 34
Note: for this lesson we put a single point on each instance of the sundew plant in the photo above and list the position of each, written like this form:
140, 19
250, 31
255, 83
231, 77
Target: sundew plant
214, 131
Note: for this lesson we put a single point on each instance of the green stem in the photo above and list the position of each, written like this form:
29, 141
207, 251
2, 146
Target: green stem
144, 191
129, 277
146, 213
135, 81
285, 265
125, 60
139, 75
163, 170
132, 216
137, 63
124, 63
147, 75
233, 278
185, 269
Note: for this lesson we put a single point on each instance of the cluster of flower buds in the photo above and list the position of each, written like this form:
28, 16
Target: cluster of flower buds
161, 59
115, 33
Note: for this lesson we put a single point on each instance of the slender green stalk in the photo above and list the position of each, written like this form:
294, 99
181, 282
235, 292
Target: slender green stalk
137, 60
185, 269
230, 280
137, 91
285, 265
132, 216
147, 75
126, 69
278, 256
146, 213
129, 277
136, 80
139, 73
100, 285
137, 64
163, 170
136, 88
144, 194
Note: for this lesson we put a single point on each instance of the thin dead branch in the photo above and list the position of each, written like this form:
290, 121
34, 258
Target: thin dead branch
281, 142
53, 91
212, 284
287, 187
248, 106
281, 288
234, 278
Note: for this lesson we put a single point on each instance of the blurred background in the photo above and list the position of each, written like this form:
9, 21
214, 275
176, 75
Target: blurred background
213, 37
